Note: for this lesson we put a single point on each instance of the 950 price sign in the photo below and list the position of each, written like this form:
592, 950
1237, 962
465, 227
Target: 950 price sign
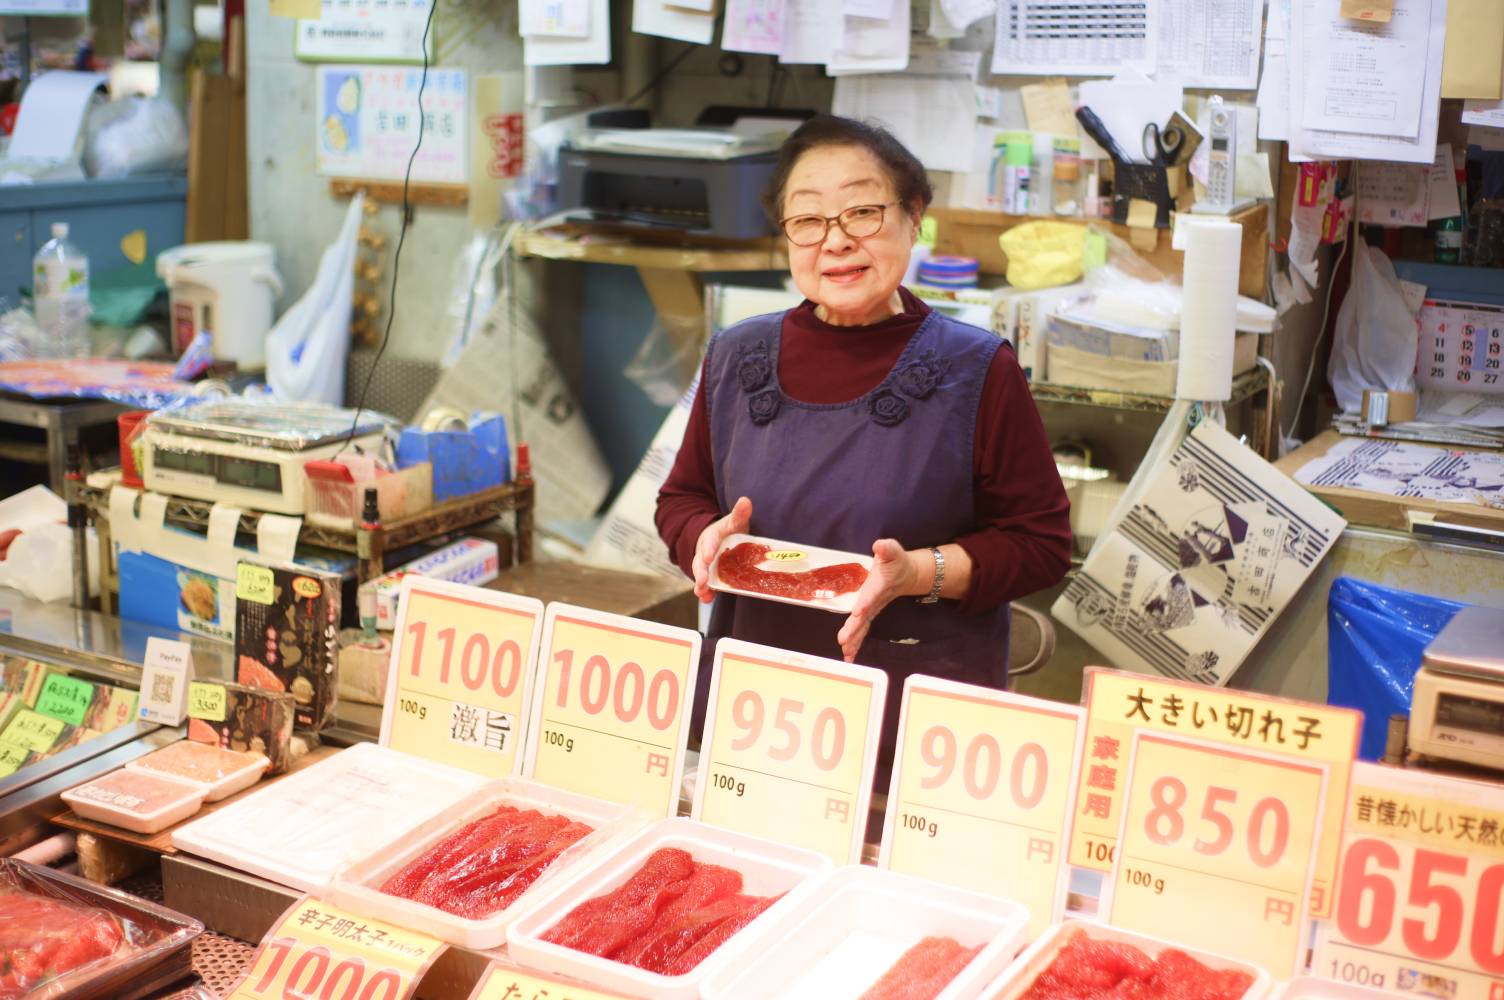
1420, 895
790, 748
981, 793
463, 661
317, 950
1220, 844
609, 718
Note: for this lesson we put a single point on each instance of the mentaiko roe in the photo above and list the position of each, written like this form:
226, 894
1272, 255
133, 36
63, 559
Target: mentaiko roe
1089, 969
668, 917
485, 865
923, 971
738, 567
43, 938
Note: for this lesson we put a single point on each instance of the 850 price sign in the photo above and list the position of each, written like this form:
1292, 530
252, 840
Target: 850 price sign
790, 747
609, 716
1420, 891
981, 792
1220, 844
463, 661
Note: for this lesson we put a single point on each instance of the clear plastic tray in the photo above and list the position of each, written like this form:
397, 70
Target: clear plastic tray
855, 908
795, 558
1015, 982
358, 887
1312, 988
767, 869
234, 771
136, 801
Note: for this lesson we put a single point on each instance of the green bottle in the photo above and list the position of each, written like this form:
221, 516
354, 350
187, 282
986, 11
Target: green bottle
1449, 239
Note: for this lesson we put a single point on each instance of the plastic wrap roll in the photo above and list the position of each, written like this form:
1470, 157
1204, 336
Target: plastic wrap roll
1209, 309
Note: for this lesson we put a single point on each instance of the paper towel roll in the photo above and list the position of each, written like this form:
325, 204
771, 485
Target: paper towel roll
1209, 309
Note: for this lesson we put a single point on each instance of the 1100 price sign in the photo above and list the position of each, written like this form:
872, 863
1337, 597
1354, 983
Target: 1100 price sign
981, 792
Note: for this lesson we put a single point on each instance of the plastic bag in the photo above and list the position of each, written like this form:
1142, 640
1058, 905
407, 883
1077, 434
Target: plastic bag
1044, 254
39, 563
472, 291
1375, 638
136, 135
667, 360
1374, 344
307, 349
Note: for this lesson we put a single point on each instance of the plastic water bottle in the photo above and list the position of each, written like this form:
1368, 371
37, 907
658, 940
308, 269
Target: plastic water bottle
60, 280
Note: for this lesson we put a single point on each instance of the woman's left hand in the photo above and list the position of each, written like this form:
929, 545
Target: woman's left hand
893, 575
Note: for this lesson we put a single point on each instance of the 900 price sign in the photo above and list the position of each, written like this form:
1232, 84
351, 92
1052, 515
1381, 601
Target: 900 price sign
1420, 896
790, 746
981, 792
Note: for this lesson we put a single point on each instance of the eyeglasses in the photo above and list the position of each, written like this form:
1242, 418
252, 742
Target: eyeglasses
858, 222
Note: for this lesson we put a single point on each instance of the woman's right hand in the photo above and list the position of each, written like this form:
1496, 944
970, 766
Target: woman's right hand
738, 521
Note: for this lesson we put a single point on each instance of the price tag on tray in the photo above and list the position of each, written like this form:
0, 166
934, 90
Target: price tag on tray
66, 698
502, 982
790, 747
1420, 901
463, 662
982, 790
1219, 844
610, 718
319, 950
1119, 703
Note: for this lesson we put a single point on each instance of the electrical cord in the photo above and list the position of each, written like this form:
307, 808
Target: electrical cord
647, 88
407, 177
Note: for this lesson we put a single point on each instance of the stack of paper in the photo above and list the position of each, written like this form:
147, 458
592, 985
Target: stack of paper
565, 32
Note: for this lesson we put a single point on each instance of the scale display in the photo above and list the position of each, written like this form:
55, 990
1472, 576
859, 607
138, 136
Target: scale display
228, 469
1478, 715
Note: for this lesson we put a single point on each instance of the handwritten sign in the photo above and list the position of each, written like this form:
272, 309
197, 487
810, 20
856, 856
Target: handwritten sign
367, 123
506, 983
13, 757
319, 950
982, 790
1420, 900
66, 698
610, 716
1119, 703
33, 731
254, 583
463, 666
1220, 844
206, 700
790, 747
164, 681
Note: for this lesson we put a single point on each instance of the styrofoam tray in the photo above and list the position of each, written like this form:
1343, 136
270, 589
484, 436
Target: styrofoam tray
222, 788
306, 828
1312, 988
873, 908
813, 558
1015, 982
105, 800
767, 869
358, 887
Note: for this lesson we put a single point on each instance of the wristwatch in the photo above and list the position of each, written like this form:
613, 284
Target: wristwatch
933, 597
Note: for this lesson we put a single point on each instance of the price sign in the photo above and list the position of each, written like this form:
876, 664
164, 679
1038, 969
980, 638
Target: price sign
13, 757
33, 731
506, 983
790, 746
1119, 703
65, 698
609, 719
1420, 898
982, 792
463, 662
206, 700
319, 950
1220, 844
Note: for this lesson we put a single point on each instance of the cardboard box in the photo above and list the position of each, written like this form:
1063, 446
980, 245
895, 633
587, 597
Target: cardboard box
470, 560
1088, 370
1022, 317
287, 635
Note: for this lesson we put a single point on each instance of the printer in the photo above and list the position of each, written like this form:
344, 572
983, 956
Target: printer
697, 181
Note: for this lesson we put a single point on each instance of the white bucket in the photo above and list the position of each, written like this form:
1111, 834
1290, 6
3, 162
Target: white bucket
229, 289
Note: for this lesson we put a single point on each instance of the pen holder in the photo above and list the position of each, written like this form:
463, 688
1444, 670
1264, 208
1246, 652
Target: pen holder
1144, 181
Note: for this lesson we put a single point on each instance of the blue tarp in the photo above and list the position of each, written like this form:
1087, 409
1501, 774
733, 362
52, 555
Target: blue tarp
1375, 638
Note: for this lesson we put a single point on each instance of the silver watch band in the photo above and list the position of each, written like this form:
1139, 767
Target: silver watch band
933, 597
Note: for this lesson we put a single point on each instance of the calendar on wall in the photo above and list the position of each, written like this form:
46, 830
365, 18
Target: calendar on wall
1461, 347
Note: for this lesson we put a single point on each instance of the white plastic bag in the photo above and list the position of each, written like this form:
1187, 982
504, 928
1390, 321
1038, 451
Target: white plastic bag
40, 563
136, 135
1374, 344
307, 349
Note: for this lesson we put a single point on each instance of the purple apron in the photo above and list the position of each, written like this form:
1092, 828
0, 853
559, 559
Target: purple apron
894, 463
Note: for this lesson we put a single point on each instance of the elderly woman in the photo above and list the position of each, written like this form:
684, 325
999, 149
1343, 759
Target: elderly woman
862, 420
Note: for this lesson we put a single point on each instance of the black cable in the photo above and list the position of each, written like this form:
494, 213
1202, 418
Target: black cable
662, 75
407, 177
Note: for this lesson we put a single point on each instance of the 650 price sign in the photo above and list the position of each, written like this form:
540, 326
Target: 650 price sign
609, 716
1420, 894
790, 746
463, 660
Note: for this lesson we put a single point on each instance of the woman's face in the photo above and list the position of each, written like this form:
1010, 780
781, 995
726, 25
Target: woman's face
853, 279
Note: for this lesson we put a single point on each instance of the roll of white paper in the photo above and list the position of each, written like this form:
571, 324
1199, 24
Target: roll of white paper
1209, 309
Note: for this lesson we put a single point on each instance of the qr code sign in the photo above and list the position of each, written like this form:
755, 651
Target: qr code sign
473, 726
164, 688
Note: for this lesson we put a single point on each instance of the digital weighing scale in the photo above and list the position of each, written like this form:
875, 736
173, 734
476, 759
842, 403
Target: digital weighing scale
1457, 709
248, 453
